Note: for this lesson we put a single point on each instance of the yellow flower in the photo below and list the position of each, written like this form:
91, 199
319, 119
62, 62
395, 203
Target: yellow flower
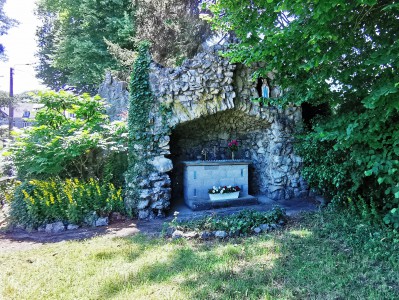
52, 199
69, 196
98, 190
26, 195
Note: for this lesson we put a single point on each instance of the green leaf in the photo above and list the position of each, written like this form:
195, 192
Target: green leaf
368, 172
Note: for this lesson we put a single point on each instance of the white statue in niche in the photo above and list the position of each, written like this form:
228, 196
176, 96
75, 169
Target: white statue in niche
265, 89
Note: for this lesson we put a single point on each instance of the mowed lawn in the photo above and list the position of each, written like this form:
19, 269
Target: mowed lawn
319, 256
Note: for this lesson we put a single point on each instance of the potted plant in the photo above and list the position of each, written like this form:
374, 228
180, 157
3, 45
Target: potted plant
224, 192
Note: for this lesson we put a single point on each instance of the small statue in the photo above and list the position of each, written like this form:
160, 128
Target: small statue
204, 152
265, 89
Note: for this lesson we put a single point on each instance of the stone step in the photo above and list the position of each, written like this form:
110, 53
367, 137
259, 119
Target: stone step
204, 204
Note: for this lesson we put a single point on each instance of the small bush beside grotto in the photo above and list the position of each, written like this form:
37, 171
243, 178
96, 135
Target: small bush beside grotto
70, 163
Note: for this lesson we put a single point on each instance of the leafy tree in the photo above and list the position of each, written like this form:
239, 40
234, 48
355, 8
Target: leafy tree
173, 28
341, 53
4, 98
72, 49
5, 24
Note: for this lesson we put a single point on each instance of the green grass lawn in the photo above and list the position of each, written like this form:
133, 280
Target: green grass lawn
320, 256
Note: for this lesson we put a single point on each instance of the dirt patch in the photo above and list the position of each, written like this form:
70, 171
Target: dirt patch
19, 239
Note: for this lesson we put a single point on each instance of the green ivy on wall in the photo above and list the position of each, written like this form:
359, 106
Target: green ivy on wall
140, 138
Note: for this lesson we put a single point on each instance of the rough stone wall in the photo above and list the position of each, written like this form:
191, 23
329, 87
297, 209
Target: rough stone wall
117, 96
201, 86
205, 103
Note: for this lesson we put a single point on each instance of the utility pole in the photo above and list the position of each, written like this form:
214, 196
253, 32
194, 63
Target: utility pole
10, 104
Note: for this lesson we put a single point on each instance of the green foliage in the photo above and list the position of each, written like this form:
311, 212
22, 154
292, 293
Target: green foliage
240, 223
173, 27
340, 53
4, 98
7, 189
140, 95
327, 170
356, 232
141, 101
5, 24
72, 49
39, 202
71, 137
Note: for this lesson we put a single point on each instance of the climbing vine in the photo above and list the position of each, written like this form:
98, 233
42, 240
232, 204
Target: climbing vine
140, 102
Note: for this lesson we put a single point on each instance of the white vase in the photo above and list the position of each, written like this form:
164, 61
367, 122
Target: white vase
224, 196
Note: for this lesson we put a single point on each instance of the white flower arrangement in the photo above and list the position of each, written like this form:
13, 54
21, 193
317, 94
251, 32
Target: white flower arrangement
224, 189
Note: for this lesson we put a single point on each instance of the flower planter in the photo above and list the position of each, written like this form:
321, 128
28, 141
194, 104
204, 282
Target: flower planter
224, 196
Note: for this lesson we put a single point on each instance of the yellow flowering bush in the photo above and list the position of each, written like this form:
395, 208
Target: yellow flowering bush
39, 202
7, 189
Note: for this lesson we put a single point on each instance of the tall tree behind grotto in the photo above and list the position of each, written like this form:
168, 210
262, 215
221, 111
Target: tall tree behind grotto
72, 40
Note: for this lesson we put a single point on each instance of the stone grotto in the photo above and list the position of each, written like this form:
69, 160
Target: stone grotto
210, 103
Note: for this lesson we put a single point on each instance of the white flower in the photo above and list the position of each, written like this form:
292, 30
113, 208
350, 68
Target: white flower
229, 186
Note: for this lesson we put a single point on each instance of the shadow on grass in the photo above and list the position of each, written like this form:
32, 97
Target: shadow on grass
200, 271
301, 262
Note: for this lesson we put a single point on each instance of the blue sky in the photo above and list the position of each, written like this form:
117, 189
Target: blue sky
20, 44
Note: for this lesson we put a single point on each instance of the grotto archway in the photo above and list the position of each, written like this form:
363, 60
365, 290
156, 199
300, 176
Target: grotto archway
211, 134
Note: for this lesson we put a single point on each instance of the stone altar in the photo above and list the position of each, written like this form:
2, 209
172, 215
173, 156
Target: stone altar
200, 176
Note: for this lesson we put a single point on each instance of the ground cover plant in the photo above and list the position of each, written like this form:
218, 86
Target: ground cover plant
242, 223
319, 256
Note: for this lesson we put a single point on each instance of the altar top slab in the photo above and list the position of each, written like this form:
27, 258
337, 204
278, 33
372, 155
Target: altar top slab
217, 162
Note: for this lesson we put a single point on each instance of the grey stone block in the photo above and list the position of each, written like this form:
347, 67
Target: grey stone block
55, 227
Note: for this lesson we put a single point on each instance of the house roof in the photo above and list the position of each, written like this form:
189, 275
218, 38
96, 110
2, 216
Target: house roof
21, 108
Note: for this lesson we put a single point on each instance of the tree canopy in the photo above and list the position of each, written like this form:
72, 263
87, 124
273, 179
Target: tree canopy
71, 40
173, 28
5, 24
348, 45
344, 54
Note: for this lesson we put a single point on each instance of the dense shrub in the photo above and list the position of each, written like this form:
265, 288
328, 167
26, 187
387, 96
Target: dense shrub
7, 188
355, 155
71, 137
39, 202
